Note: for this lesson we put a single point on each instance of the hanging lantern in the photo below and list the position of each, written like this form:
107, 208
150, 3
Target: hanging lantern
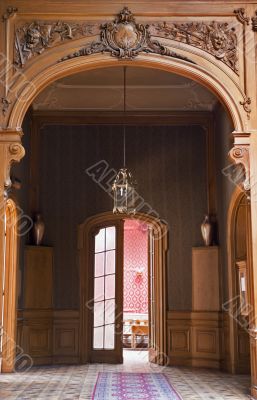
124, 193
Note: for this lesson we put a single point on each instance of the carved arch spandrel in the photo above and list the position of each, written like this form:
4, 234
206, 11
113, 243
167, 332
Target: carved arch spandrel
124, 37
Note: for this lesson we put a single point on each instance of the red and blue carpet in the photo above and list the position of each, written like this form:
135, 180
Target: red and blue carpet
133, 386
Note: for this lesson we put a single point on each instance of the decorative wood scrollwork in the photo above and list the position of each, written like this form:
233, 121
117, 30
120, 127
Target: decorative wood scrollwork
254, 22
14, 154
10, 11
246, 103
240, 14
216, 38
5, 105
125, 39
34, 38
16, 151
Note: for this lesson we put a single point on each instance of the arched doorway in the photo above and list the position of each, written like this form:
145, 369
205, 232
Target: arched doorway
205, 72
239, 263
89, 239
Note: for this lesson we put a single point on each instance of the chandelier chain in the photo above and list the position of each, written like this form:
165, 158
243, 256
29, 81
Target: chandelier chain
124, 112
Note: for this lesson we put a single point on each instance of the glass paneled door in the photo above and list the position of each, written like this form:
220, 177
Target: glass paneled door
106, 293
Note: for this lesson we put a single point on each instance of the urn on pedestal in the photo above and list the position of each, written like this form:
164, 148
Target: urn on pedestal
207, 231
38, 229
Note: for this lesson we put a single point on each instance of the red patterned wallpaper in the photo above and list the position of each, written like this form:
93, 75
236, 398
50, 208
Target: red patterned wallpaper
135, 267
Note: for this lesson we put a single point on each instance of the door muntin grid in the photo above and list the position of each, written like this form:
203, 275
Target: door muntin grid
104, 289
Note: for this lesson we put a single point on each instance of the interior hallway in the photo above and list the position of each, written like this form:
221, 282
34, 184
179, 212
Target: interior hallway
77, 382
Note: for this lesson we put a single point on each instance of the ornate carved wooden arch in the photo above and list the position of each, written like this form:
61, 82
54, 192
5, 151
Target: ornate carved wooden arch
46, 73
125, 38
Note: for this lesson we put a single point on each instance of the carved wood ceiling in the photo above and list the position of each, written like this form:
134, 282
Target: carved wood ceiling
147, 89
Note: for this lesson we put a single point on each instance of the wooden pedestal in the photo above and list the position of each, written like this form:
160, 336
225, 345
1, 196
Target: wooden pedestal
205, 279
38, 284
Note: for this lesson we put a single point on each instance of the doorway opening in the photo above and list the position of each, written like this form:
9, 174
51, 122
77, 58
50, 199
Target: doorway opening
123, 310
136, 291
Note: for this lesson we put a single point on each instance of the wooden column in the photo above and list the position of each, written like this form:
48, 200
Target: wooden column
10, 150
253, 265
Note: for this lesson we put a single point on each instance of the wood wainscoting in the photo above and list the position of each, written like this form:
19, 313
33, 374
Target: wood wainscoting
194, 338
66, 337
49, 336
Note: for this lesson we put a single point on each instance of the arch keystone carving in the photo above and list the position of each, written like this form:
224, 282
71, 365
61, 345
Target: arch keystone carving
125, 39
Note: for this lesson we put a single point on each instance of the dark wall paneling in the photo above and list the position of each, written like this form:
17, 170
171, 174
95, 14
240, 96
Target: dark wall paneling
225, 188
169, 164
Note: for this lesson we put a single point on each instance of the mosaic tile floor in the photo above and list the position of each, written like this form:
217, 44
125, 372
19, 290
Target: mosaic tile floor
77, 382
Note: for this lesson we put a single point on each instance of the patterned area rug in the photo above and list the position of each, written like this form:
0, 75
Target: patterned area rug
131, 386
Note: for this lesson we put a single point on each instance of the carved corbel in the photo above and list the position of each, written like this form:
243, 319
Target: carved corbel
15, 152
240, 155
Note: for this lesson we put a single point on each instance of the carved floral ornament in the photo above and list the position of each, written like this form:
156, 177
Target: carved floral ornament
125, 38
